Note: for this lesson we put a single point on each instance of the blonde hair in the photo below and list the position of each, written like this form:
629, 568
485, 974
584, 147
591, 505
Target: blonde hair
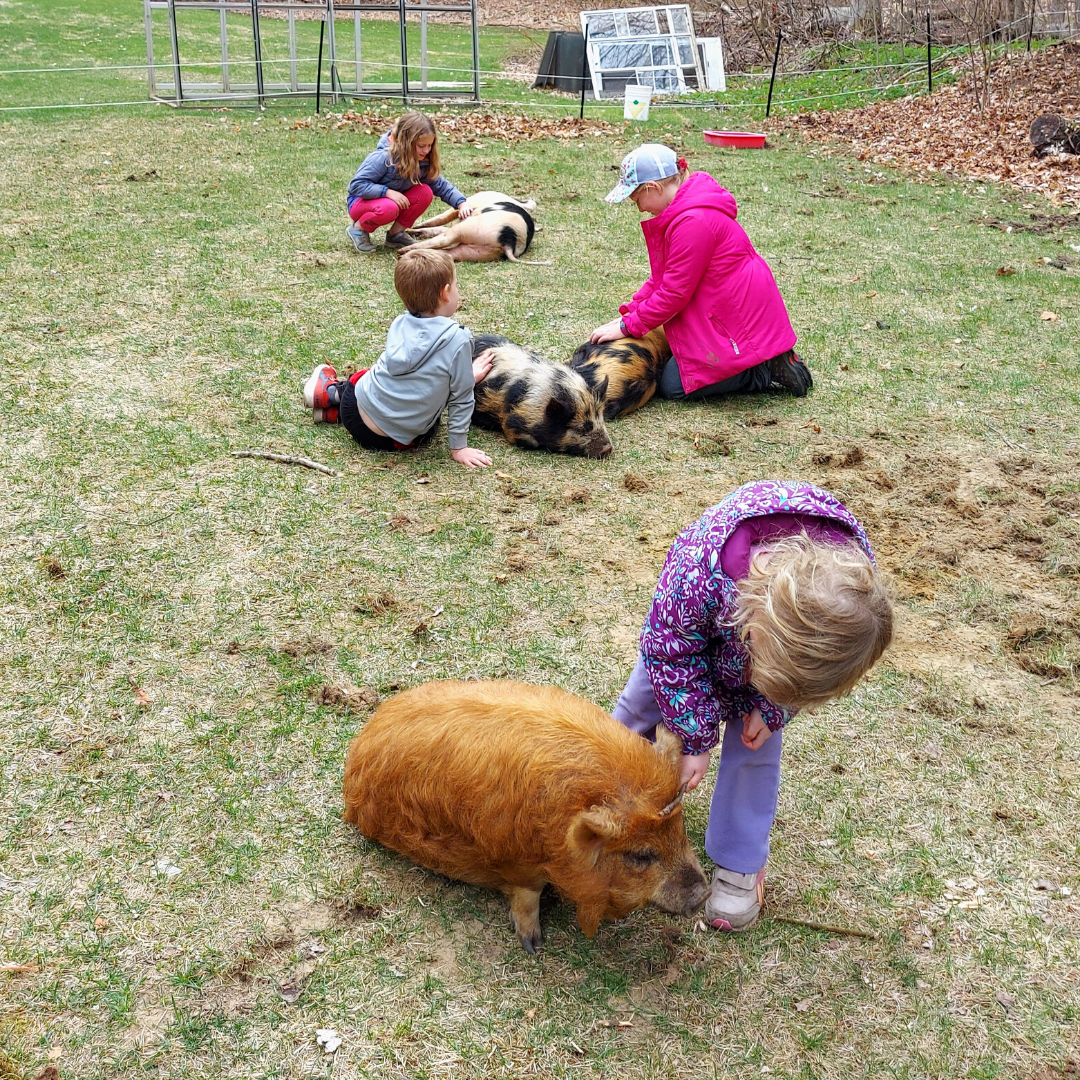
681, 176
420, 276
820, 619
407, 130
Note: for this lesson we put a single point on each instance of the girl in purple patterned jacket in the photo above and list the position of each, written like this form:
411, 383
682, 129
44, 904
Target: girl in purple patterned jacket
768, 604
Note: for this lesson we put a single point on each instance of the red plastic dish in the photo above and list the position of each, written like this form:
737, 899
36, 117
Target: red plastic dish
749, 140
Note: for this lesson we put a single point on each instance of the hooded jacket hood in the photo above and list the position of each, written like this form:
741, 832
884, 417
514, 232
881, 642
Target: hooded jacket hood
698, 191
411, 340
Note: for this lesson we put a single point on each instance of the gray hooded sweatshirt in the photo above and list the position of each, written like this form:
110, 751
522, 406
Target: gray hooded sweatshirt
426, 367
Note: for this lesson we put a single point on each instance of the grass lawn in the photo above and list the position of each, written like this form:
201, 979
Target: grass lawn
178, 894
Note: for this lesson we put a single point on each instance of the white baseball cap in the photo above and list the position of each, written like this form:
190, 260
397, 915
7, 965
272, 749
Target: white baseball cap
650, 161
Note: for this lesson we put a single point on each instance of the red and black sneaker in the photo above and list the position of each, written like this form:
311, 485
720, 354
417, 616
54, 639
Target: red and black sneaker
788, 371
321, 394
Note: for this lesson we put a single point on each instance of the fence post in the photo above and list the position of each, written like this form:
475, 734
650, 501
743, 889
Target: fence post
772, 78
473, 17
423, 44
404, 55
318, 70
357, 42
293, 85
1031, 26
331, 44
584, 68
929, 68
224, 24
255, 29
178, 86
148, 20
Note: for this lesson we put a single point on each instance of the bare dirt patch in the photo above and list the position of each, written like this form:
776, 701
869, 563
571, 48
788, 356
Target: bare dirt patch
948, 132
354, 698
979, 539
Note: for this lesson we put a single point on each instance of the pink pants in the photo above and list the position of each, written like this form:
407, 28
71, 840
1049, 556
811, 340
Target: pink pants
369, 214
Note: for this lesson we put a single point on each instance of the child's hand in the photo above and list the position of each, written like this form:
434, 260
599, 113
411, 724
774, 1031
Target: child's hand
754, 731
694, 768
608, 332
481, 364
464, 211
470, 457
397, 199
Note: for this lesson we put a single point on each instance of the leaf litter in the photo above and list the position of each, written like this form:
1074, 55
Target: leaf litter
947, 132
470, 127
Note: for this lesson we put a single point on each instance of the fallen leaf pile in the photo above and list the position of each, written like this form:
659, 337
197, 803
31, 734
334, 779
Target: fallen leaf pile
493, 13
471, 127
946, 132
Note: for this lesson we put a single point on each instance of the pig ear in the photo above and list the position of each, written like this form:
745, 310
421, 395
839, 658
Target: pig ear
599, 390
592, 830
668, 745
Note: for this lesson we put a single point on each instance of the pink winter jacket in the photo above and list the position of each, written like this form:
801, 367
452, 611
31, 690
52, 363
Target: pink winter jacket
713, 293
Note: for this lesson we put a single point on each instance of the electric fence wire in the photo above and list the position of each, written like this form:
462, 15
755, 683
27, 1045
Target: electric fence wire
680, 103
239, 62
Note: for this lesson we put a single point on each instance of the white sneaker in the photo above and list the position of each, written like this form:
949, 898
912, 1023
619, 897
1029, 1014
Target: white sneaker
736, 899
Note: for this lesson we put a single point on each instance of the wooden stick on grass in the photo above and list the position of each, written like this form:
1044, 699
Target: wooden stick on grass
827, 928
286, 459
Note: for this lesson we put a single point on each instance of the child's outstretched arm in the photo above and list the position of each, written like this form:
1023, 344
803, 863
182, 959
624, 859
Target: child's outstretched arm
689, 252
674, 646
464, 376
450, 195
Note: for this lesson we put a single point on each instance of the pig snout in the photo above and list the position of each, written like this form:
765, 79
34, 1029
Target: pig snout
684, 889
599, 446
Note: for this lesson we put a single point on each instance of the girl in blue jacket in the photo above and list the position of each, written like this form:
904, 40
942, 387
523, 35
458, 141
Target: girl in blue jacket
396, 183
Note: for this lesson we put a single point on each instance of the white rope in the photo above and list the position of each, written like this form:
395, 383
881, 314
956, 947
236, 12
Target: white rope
158, 64
78, 105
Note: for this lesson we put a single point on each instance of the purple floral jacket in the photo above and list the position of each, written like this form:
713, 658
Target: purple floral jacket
690, 646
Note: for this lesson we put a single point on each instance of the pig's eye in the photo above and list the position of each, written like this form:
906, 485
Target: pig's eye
641, 860
587, 427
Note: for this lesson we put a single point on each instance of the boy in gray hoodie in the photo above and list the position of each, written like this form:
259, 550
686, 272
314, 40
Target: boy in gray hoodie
427, 366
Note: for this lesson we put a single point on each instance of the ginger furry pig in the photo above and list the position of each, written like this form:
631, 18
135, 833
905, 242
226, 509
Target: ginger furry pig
512, 787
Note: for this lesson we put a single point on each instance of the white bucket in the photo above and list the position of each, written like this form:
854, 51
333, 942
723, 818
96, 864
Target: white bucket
636, 102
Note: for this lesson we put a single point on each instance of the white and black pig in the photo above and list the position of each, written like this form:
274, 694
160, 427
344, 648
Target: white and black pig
499, 225
537, 403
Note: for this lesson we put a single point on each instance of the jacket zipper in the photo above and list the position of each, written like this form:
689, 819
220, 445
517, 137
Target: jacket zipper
723, 330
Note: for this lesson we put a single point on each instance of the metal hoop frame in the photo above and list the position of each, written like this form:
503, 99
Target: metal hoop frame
178, 89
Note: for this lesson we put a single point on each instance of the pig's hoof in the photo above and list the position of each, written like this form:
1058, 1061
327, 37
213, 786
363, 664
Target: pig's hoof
525, 916
532, 943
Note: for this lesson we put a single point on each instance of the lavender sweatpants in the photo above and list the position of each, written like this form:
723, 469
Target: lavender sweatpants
747, 782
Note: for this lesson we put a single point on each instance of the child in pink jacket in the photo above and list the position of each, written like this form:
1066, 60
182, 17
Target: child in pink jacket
714, 294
